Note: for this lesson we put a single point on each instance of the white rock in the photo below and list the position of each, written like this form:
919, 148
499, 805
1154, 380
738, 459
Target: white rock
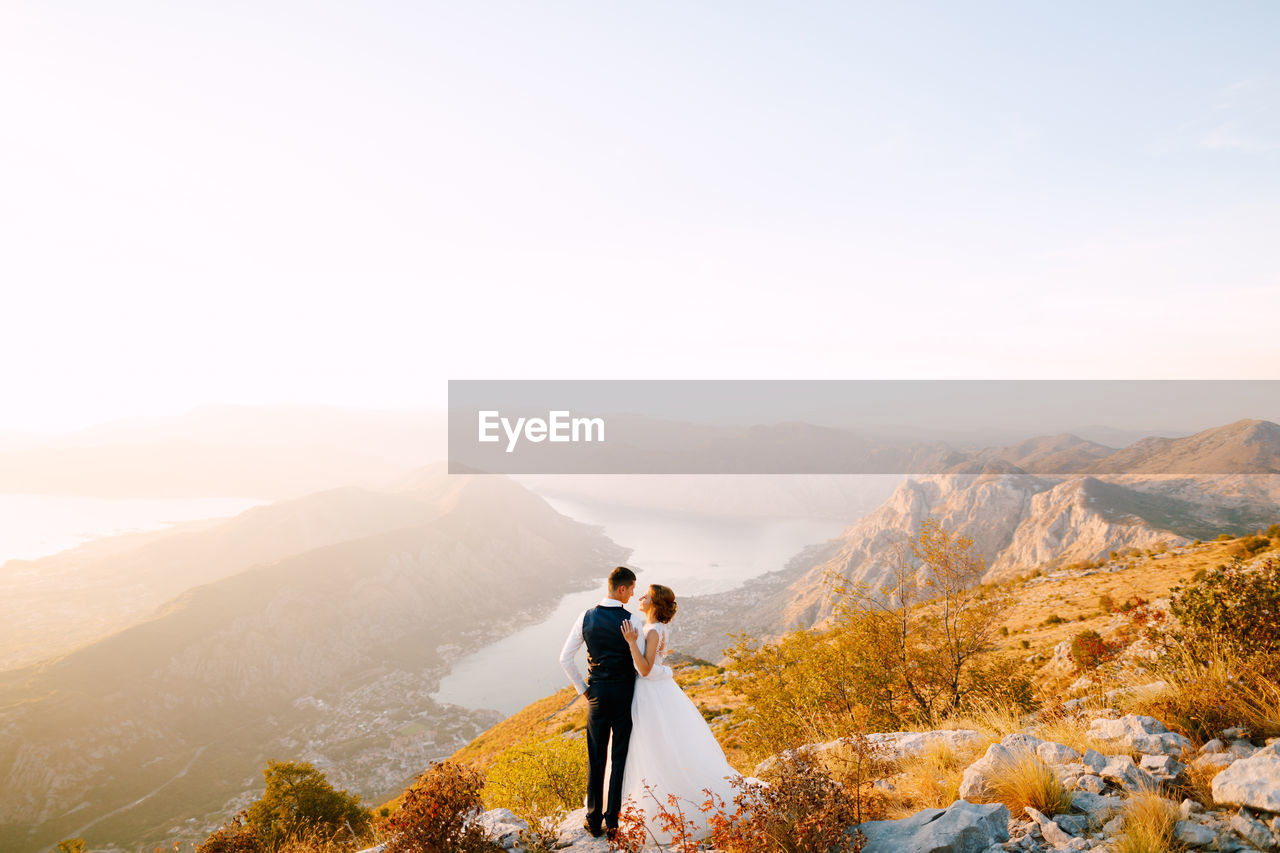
960, 826
503, 826
1213, 759
1242, 748
1094, 760
1091, 784
1052, 833
1254, 831
1056, 753
1193, 834
1252, 781
975, 785
1121, 771
572, 834
1162, 765
1144, 734
1214, 745
1099, 809
1022, 742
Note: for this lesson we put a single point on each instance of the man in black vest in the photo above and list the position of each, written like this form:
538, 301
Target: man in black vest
610, 685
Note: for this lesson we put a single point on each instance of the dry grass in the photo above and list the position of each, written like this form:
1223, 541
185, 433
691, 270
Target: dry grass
1208, 693
1148, 825
1028, 781
1198, 783
930, 780
992, 719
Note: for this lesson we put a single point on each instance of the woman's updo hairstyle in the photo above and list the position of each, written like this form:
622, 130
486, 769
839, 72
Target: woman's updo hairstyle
663, 601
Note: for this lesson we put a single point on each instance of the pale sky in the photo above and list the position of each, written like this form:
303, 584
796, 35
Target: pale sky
271, 202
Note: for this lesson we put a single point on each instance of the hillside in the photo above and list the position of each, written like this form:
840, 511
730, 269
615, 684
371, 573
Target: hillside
1048, 608
328, 655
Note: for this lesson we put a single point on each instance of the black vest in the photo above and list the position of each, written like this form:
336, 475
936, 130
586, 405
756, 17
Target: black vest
608, 655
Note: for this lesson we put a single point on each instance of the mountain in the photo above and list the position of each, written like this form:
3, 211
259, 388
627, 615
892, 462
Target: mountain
329, 655
1242, 447
1019, 520
1046, 454
55, 604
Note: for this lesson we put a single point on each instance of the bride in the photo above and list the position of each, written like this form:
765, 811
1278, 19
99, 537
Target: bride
672, 749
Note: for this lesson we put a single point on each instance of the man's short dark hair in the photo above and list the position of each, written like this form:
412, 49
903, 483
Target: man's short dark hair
620, 577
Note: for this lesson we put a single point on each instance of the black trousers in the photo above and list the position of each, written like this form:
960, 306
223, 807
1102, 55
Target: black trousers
608, 714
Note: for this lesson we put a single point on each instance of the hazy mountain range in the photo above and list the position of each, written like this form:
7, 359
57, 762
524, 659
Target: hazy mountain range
329, 653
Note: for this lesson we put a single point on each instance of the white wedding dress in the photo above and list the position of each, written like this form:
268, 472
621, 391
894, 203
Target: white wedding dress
671, 749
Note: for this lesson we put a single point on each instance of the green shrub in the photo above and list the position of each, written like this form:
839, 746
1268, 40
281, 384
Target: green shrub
1106, 603
301, 805
1234, 607
1053, 619
1273, 532
541, 781
1223, 537
1254, 544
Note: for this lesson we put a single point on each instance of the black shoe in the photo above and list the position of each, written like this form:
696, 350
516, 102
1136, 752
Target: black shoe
594, 832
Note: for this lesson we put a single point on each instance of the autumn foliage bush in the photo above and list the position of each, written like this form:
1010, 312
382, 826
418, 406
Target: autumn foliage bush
1089, 649
437, 814
800, 809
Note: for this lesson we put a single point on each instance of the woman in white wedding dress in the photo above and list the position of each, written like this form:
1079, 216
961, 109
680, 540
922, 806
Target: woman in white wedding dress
672, 749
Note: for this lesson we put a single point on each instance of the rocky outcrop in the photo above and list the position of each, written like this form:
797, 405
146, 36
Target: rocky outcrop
962, 827
1143, 734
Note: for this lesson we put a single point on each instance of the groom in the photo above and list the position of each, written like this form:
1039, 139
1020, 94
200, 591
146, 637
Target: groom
610, 685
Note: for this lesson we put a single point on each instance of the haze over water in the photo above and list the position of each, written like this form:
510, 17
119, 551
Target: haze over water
693, 554
37, 525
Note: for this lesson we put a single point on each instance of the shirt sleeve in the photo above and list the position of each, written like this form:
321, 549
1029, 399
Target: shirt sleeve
571, 645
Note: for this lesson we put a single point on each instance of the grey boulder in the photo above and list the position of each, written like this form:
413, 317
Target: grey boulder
962, 827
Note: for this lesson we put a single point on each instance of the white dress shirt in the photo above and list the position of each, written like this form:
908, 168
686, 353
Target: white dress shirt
574, 642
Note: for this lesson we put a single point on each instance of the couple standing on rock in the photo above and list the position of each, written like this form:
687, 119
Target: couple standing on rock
643, 733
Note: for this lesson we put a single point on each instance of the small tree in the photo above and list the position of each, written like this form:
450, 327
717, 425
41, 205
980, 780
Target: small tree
71, 845
301, 804
942, 619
